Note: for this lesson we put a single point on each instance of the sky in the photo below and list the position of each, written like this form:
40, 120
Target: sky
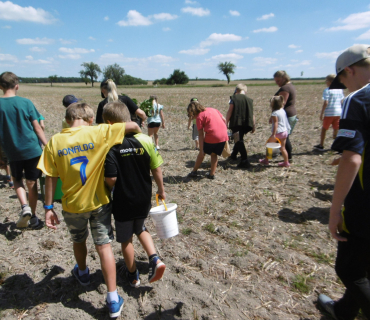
150, 39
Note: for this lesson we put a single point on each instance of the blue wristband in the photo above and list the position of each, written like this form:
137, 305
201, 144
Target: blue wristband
49, 207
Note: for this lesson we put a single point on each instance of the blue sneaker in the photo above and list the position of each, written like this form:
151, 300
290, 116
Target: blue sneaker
115, 308
327, 305
84, 279
133, 280
156, 269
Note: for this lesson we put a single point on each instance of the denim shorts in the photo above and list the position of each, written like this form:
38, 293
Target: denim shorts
100, 225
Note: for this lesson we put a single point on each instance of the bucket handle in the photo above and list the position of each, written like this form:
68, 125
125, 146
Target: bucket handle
156, 198
275, 138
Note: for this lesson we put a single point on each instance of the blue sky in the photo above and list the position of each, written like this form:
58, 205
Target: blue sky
150, 39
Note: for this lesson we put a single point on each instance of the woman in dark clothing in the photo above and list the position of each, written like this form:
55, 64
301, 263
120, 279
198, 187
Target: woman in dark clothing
109, 93
288, 92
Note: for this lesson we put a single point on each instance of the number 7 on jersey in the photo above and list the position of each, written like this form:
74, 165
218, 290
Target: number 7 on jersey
84, 161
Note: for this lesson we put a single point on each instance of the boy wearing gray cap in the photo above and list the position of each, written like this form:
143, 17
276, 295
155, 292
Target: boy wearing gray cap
350, 211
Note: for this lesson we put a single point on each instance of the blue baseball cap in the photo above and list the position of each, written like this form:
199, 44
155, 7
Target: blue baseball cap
69, 99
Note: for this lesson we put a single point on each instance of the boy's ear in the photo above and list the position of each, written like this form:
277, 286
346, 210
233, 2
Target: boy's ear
108, 122
90, 121
16, 88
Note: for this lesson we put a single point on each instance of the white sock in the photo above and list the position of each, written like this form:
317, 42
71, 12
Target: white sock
82, 272
112, 296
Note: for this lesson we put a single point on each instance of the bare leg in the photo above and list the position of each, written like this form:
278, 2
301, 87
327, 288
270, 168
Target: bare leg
156, 136
108, 265
147, 242
32, 194
20, 191
150, 132
197, 144
129, 255
284, 153
214, 161
80, 252
335, 132
199, 160
322, 136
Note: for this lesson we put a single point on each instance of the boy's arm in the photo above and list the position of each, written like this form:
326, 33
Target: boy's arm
39, 132
348, 168
42, 125
324, 105
110, 182
201, 139
158, 177
141, 114
132, 127
51, 218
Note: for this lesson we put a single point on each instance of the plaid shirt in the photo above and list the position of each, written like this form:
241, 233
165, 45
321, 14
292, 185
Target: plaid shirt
334, 98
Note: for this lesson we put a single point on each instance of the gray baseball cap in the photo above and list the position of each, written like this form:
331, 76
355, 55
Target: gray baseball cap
347, 58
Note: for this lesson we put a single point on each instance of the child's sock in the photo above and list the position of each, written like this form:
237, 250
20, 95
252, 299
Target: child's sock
24, 205
132, 273
112, 296
152, 256
82, 272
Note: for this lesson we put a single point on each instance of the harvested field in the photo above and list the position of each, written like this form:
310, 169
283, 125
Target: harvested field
253, 244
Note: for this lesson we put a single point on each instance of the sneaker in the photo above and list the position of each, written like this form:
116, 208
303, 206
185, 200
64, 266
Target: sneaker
327, 305
158, 148
156, 269
133, 280
209, 176
319, 147
11, 184
84, 280
115, 308
34, 222
264, 162
284, 164
24, 216
193, 174
244, 164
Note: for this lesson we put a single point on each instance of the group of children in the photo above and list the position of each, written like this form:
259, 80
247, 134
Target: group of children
78, 155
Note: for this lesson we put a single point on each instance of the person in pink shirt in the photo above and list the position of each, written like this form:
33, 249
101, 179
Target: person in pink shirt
212, 132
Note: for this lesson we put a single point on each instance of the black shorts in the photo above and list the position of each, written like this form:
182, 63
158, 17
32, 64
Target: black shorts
29, 167
216, 148
154, 125
126, 229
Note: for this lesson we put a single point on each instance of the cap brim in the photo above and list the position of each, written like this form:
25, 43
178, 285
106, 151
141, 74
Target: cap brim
336, 84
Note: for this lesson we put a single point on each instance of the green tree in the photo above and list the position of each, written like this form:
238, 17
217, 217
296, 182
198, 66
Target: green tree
52, 79
92, 70
226, 68
114, 72
178, 77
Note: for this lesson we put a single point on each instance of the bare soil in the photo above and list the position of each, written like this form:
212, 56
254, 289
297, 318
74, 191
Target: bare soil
253, 244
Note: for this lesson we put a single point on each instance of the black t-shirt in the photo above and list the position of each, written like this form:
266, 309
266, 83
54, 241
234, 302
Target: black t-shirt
131, 163
290, 103
353, 135
131, 105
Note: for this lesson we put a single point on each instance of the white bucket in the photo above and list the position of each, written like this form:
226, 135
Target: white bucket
165, 221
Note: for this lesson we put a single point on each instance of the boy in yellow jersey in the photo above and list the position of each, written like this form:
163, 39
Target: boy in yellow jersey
77, 155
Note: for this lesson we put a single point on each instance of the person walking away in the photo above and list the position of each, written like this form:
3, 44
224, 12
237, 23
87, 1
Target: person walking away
194, 128
155, 121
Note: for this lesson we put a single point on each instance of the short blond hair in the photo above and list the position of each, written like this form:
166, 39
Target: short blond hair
276, 102
77, 111
241, 87
330, 78
115, 112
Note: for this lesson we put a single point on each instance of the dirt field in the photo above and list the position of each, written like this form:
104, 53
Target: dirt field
253, 244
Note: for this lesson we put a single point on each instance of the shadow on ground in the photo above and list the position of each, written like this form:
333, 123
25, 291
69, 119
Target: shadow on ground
314, 213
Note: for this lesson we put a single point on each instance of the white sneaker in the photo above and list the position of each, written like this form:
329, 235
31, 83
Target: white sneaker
24, 216
157, 147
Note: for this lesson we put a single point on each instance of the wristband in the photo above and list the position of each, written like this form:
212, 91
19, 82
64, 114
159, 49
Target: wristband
49, 207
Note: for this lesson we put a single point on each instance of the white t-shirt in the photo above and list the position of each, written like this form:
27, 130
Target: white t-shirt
283, 123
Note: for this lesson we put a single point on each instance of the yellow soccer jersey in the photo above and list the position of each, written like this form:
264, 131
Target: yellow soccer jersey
77, 156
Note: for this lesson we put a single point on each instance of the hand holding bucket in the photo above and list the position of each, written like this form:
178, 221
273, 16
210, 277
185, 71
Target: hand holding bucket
165, 219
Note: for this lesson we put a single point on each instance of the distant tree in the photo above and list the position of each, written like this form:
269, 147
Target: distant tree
177, 77
128, 80
160, 81
92, 70
52, 79
86, 80
114, 72
226, 68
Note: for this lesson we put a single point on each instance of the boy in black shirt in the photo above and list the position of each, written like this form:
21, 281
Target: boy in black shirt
127, 169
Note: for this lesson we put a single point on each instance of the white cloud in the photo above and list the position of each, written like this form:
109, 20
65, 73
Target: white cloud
354, 21
164, 16
364, 36
91, 38
8, 57
195, 52
229, 56
200, 12
6, 27
266, 16
106, 18
135, 18
293, 46
65, 41
75, 50
234, 13
299, 51
166, 29
70, 56
14, 12
328, 55
119, 57
248, 50
29, 57
35, 41
190, 2
39, 61
271, 29
37, 49
260, 61
216, 38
